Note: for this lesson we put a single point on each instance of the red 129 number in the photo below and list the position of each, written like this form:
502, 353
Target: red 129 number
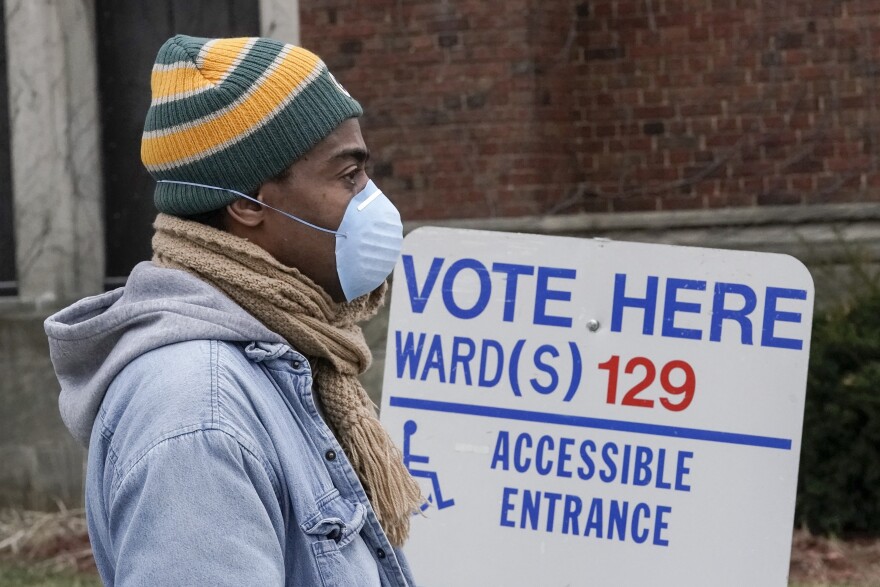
685, 391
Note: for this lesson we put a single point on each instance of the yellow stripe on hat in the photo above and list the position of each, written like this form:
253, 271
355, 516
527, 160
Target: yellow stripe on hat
216, 60
291, 71
177, 78
219, 57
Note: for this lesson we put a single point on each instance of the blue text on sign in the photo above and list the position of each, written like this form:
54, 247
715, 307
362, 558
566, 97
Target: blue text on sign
545, 291
730, 302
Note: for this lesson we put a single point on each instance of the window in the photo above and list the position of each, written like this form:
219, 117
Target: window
129, 36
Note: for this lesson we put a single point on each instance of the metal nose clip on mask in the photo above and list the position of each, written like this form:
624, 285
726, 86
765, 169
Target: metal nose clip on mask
368, 240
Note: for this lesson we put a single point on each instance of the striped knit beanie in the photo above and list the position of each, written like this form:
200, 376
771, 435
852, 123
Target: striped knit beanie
233, 113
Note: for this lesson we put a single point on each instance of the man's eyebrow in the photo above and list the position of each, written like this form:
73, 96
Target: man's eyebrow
358, 154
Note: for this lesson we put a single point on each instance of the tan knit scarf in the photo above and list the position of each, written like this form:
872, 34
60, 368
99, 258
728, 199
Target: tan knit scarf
291, 304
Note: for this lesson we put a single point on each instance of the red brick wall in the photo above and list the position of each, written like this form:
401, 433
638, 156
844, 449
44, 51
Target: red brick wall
477, 108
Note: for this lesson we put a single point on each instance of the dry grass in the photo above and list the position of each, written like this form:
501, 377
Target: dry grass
829, 561
56, 541
59, 541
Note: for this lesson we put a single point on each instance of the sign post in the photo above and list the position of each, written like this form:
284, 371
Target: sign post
586, 412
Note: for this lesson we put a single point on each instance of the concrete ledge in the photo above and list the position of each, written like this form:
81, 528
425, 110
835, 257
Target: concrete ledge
41, 461
823, 234
839, 243
668, 220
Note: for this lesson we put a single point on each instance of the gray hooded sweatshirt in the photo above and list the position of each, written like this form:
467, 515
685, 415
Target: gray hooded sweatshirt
94, 339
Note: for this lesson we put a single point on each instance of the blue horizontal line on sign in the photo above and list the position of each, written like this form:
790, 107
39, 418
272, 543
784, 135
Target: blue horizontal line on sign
597, 423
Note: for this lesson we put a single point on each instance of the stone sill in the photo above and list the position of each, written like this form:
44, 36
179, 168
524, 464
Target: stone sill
669, 219
827, 233
29, 309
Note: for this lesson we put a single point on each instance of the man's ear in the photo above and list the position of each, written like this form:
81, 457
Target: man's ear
246, 212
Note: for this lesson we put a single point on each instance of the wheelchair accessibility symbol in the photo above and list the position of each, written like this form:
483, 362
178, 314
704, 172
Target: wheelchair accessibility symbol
409, 429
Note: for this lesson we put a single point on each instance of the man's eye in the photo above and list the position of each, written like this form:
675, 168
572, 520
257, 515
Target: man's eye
351, 176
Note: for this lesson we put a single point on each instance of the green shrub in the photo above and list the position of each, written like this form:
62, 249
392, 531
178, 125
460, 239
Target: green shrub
839, 480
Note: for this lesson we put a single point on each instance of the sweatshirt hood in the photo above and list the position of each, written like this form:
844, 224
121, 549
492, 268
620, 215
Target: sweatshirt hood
91, 341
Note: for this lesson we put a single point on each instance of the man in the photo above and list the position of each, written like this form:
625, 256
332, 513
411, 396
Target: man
230, 442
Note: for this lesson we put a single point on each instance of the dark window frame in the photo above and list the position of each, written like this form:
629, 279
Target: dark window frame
8, 277
128, 36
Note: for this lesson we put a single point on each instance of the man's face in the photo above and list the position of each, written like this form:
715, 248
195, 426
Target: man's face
317, 189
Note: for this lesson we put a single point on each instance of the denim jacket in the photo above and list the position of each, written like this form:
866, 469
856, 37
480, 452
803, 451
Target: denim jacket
209, 463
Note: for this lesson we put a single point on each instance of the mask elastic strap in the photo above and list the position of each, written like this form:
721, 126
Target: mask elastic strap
256, 201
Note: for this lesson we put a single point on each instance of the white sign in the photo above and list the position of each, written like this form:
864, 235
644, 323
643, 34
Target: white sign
585, 412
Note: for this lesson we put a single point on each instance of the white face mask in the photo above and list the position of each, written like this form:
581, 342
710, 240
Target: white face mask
368, 240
